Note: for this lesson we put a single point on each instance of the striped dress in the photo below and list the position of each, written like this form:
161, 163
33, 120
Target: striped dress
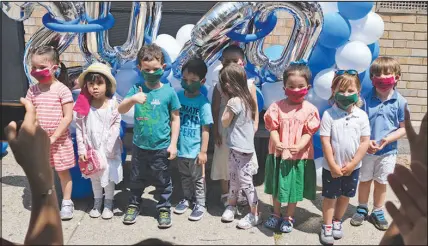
48, 106
290, 178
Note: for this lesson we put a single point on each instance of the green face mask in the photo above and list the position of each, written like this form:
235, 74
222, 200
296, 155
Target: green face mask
192, 88
154, 77
344, 102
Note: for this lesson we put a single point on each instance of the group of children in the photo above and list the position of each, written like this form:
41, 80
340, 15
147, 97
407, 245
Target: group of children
358, 134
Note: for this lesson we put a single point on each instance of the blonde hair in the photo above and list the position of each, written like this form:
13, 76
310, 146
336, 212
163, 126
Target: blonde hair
343, 81
385, 65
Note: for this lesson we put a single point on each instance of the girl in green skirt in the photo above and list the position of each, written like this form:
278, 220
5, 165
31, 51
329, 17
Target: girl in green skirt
290, 169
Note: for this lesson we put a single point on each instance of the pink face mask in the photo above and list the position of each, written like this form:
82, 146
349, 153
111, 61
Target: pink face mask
384, 84
43, 76
296, 96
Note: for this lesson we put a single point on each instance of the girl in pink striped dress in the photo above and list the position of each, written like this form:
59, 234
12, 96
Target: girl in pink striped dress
54, 107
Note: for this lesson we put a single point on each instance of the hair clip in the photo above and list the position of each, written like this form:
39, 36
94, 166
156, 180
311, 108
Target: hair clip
299, 62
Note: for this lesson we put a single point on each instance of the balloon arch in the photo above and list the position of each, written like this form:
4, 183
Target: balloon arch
328, 35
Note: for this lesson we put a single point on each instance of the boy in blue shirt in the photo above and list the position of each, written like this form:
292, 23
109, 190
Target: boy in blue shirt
195, 120
156, 129
386, 109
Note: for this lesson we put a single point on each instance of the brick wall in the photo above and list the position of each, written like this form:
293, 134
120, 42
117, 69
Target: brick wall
405, 38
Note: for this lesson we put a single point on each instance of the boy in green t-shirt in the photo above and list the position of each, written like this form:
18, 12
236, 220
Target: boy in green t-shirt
156, 129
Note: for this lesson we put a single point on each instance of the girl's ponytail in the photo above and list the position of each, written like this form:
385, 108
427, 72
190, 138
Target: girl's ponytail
63, 76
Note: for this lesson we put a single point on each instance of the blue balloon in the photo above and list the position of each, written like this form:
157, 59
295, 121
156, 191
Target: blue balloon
354, 10
366, 82
264, 29
321, 58
335, 32
4, 146
82, 187
274, 52
260, 99
126, 78
375, 49
123, 155
204, 91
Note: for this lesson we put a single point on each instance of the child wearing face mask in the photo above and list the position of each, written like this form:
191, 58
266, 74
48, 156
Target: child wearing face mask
98, 126
231, 55
386, 109
54, 107
290, 169
195, 120
156, 130
345, 136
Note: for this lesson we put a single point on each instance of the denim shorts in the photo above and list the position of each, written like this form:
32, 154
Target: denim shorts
333, 188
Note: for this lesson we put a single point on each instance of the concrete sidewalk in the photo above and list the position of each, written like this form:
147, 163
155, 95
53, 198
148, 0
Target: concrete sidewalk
16, 205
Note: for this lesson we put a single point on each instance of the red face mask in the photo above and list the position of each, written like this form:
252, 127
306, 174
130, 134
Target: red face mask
43, 76
296, 96
384, 84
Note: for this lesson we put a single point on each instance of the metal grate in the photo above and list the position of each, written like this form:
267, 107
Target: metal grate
402, 7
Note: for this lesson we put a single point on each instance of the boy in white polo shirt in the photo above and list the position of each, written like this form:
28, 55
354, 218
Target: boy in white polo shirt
345, 136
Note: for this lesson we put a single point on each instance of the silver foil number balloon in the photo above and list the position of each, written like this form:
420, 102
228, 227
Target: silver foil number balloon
143, 27
18, 11
208, 37
308, 20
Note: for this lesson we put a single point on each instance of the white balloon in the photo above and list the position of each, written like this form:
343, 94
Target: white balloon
184, 34
329, 7
210, 93
128, 117
368, 29
175, 83
169, 44
272, 92
353, 55
213, 72
318, 169
322, 83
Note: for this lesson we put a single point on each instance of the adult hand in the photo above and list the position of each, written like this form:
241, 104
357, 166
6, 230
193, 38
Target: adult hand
31, 144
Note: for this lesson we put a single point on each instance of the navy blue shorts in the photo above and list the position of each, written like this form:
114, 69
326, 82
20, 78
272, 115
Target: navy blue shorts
332, 188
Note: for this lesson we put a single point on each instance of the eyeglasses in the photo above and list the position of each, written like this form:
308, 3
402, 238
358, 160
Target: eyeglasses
350, 72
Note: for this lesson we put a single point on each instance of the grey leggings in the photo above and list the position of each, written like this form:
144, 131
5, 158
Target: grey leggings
240, 176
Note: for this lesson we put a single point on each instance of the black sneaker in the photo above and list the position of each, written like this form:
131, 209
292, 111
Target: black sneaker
377, 218
131, 214
164, 218
197, 212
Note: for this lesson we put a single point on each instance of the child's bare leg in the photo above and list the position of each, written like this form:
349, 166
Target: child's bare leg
66, 184
291, 208
363, 192
379, 195
328, 210
276, 207
341, 206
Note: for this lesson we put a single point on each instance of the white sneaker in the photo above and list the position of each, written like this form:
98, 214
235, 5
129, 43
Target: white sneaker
249, 221
229, 214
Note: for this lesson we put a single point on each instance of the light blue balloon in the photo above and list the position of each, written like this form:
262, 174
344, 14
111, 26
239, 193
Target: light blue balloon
4, 146
354, 10
126, 78
375, 49
366, 82
274, 52
335, 32
260, 99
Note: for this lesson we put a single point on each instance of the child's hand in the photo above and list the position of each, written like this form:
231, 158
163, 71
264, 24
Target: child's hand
172, 150
336, 172
347, 169
383, 143
53, 139
202, 158
294, 149
218, 139
140, 97
82, 158
279, 147
373, 147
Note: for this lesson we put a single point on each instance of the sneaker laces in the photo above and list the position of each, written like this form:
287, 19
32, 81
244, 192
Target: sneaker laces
130, 210
328, 230
337, 225
380, 215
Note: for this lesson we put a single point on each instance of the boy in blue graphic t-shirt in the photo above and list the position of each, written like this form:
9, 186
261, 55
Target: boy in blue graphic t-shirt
195, 119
